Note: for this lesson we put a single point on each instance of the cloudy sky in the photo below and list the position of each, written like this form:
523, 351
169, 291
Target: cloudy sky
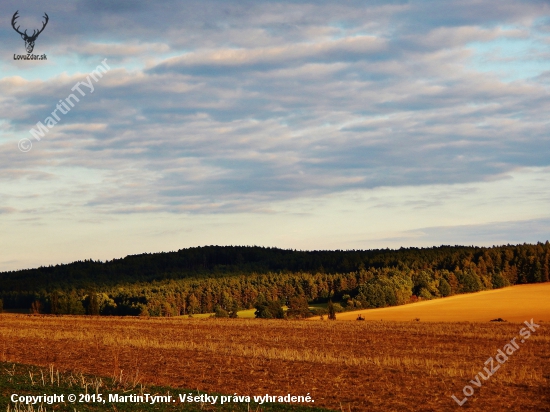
306, 125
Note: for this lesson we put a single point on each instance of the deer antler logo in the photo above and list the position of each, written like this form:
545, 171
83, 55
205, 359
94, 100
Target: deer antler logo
29, 40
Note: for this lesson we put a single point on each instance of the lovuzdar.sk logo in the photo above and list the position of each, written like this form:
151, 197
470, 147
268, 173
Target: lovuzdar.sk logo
29, 40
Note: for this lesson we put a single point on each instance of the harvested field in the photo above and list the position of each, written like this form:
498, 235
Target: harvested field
514, 304
357, 366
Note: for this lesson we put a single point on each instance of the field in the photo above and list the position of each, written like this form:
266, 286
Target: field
243, 314
350, 366
513, 304
94, 394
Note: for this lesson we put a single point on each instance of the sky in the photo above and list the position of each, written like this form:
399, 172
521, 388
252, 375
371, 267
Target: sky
291, 124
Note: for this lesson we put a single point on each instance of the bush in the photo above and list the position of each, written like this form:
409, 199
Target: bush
234, 310
337, 307
319, 312
269, 310
220, 312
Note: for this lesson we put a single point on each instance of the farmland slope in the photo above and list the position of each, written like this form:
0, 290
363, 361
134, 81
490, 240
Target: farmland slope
514, 304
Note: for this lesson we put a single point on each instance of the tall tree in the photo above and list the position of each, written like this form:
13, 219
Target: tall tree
331, 311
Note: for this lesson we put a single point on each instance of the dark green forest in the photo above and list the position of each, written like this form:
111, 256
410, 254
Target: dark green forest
224, 279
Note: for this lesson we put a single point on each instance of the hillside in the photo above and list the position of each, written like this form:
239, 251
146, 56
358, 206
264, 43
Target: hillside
513, 304
212, 261
199, 280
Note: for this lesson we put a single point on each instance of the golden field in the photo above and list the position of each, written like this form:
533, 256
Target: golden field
350, 366
513, 304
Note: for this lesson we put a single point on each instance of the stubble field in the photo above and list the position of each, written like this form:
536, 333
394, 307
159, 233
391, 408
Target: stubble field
514, 304
357, 366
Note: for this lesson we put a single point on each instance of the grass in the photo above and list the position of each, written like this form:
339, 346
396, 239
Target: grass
198, 315
242, 314
31, 380
246, 314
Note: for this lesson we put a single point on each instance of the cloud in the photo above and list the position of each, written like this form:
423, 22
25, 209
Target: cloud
487, 234
270, 58
232, 106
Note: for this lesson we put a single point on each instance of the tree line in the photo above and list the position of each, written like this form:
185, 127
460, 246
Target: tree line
223, 280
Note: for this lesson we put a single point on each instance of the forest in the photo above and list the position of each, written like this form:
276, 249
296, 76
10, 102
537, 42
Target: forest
225, 279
